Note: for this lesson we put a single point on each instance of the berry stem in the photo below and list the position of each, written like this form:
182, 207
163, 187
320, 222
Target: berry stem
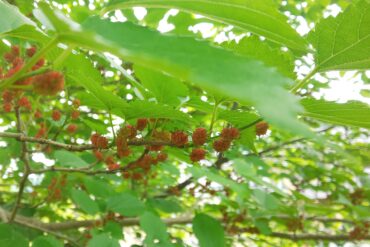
214, 112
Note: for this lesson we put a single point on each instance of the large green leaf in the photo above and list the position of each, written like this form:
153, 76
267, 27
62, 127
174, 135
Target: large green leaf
352, 113
260, 50
47, 241
155, 230
260, 17
125, 204
208, 231
187, 59
166, 89
65, 158
343, 42
84, 202
11, 18
103, 240
10, 238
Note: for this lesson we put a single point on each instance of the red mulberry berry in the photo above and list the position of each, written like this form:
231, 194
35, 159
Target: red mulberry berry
38, 114
221, 145
261, 128
199, 136
141, 124
56, 115
99, 141
137, 176
179, 138
39, 64
197, 154
162, 157
155, 148
126, 175
24, 102
7, 107
13, 54
98, 155
7, 96
109, 160
76, 103
49, 83
31, 51
113, 167
72, 128
230, 133
124, 152
75, 115
102, 142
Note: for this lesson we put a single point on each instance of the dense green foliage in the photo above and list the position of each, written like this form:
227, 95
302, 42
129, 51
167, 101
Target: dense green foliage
116, 132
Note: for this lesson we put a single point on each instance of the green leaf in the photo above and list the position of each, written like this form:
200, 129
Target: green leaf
266, 200
260, 17
166, 205
146, 109
97, 187
352, 113
65, 158
199, 172
166, 89
103, 240
4, 157
47, 241
208, 231
125, 204
246, 168
343, 42
114, 229
84, 202
27, 32
155, 229
11, 18
255, 48
195, 61
10, 238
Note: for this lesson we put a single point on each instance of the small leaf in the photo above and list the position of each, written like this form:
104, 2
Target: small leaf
65, 158
155, 229
208, 231
266, 200
47, 241
125, 204
83, 201
97, 187
103, 240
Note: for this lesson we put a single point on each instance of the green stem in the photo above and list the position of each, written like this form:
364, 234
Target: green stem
112, 126
57, 62
29, 64
304, 81
213, 117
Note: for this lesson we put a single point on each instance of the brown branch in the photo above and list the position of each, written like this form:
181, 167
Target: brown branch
69, 225
78, 148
